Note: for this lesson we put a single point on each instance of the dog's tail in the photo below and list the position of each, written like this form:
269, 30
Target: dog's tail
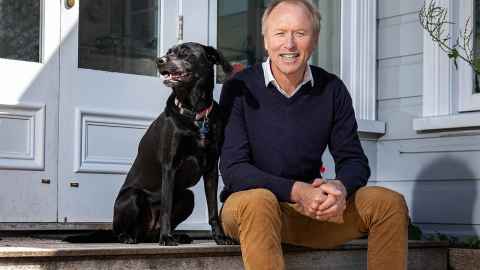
100, 236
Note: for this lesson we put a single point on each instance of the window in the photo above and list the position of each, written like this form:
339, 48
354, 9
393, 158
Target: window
347, 45
240, 35
119, 36
469, 83
450, 98
20, 30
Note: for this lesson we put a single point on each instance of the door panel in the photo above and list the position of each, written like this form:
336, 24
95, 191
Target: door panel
29, 68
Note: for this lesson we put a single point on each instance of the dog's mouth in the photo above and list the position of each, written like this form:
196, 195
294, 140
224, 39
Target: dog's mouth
172, 77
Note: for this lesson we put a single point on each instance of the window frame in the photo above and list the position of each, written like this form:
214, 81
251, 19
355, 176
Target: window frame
357, 58
448, 100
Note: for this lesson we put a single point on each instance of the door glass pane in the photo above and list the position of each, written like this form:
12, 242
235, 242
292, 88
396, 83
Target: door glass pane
239, 35
119, 35
20, 29
327, 54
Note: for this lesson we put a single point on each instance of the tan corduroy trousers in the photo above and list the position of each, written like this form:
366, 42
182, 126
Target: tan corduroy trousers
260, 223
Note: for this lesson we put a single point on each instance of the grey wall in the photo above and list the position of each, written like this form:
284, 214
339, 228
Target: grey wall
437, 172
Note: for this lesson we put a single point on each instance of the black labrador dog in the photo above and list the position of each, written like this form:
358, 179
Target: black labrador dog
180, 146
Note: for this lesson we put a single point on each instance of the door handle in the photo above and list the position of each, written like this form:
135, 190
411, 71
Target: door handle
74, 184
70, 3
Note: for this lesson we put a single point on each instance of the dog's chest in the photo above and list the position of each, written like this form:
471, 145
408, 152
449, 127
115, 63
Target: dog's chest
196, 148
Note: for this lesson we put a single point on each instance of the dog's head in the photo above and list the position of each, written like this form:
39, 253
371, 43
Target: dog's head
189, 63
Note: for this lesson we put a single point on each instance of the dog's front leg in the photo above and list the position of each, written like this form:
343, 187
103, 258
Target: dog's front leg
210, 182
168, 179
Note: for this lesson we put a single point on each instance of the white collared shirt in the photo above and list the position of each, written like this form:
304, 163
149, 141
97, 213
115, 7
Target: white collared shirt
269, 78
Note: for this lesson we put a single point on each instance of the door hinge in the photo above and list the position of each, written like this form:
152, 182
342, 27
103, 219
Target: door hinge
180, 29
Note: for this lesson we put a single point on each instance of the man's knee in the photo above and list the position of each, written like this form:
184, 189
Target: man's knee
259, 200
380, 197
254, 201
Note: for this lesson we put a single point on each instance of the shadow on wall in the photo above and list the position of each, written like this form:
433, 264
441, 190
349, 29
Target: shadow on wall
444, 197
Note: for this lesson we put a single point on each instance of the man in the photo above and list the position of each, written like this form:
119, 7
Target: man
281, 116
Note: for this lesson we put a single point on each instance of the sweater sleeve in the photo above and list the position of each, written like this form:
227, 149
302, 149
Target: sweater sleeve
236, 166
351, 164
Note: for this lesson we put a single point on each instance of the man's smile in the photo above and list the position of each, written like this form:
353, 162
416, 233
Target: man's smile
289, 57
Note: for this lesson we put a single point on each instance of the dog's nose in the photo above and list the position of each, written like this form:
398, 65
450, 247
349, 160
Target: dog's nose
161, 60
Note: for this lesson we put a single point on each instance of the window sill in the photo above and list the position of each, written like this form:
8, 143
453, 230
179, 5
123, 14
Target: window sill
371, 127
458, 121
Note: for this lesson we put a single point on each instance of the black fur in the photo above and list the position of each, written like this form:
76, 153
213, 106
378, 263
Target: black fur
172, 156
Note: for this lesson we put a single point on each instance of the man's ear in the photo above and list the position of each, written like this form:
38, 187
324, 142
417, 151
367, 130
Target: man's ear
216, 58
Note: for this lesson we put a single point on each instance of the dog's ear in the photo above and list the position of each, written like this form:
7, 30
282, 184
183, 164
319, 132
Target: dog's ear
216, 57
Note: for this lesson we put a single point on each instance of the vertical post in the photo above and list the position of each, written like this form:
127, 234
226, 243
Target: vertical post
180, 22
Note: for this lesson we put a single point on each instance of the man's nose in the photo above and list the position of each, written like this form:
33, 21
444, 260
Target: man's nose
290, 42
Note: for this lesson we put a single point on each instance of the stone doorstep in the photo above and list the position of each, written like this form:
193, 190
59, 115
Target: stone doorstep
31, 247
464, 259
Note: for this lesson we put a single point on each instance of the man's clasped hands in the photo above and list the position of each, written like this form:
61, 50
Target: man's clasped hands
322, 200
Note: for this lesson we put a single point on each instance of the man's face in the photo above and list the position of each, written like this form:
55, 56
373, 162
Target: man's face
289, 39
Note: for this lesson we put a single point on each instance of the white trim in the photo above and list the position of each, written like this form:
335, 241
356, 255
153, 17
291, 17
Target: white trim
466, 120
437, 74
467, 100
370, 126
212, 40
358, 55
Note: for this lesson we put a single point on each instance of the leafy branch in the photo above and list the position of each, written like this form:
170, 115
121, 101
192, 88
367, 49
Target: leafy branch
434, 19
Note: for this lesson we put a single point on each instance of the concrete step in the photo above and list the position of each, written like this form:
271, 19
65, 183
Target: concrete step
40, 254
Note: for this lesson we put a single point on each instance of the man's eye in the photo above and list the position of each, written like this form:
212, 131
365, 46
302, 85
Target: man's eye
279, 34
300, 34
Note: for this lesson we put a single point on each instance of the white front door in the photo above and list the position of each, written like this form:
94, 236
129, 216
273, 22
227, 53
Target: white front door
29, 69
110, 92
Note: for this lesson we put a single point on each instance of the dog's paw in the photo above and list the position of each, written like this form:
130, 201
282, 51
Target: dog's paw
167, 240
130, 241
224, 240
127, 239
182, 238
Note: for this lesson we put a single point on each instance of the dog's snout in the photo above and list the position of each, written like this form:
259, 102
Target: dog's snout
161, 60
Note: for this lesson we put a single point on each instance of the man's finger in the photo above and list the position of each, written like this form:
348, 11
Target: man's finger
313, 207
334, 210
331, 189
329, 202
324, 217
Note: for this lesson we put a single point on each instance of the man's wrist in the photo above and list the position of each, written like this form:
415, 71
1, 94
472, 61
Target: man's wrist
341, 187
296, 191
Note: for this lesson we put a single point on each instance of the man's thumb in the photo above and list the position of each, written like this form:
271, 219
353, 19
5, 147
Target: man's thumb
318, 182
331, 189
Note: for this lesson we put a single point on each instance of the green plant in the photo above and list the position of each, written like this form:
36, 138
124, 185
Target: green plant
434, 19
472, 242
415, 233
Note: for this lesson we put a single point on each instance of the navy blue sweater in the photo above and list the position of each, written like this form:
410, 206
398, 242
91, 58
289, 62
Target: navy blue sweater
271, 141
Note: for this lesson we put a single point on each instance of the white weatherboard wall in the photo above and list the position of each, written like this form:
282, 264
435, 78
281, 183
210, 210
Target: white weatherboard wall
437, 172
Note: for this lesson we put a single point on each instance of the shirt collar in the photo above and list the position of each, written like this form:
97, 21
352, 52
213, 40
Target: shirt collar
269, 78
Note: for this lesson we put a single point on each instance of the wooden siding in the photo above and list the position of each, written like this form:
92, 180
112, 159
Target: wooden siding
437, 172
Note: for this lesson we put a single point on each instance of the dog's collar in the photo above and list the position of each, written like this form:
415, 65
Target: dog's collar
191, 114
